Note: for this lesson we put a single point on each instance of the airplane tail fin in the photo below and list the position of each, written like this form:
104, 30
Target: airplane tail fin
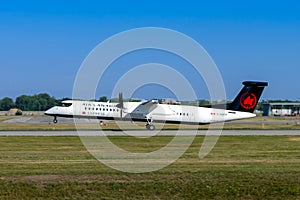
248, 97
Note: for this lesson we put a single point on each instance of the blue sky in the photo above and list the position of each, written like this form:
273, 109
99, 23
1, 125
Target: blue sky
43, 43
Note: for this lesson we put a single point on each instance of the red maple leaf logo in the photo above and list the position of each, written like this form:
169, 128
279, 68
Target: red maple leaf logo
248, 100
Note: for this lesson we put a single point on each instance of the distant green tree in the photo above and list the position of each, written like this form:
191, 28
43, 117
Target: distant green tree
6, 103
39, 102
45, 101
103, 99
19, 112
259, 106
22, 102
204, 102
134, 100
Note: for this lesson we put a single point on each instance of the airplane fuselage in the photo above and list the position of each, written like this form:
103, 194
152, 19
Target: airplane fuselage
157, 112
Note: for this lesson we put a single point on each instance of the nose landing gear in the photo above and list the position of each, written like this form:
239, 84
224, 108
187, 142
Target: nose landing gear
55, 120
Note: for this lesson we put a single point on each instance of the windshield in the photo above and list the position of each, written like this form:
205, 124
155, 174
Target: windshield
66, 104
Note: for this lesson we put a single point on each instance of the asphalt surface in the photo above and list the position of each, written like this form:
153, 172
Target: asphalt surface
43, 119
146, 133
142, 133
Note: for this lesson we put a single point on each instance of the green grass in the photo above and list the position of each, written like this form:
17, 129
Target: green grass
4, 118
239, 167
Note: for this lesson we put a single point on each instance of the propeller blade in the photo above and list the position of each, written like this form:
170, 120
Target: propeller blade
121, 104
121, 101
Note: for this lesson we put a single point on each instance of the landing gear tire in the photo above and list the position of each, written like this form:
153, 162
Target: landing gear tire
150, 127
54, 120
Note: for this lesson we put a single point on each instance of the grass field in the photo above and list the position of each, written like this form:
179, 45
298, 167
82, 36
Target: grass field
239, 167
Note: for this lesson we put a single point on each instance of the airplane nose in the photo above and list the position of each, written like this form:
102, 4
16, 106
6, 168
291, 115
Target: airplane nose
49, 111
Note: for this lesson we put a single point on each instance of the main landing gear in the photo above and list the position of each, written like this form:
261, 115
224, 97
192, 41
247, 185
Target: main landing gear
55, 120
150, 125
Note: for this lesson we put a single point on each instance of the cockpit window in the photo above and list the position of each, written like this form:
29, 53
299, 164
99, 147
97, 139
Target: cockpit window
66, 104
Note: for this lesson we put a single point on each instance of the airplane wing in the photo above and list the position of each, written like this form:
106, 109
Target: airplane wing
148, 105
142, 110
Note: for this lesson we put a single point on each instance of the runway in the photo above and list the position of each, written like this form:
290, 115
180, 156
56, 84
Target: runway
48, 120
139, 133
146, 133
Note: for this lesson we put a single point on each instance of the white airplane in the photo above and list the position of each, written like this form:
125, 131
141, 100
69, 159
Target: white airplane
152, 111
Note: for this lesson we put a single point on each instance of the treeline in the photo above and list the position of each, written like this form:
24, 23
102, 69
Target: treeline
38, 102
42, 102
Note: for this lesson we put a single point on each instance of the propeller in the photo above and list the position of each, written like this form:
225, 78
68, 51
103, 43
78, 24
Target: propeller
121, 104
